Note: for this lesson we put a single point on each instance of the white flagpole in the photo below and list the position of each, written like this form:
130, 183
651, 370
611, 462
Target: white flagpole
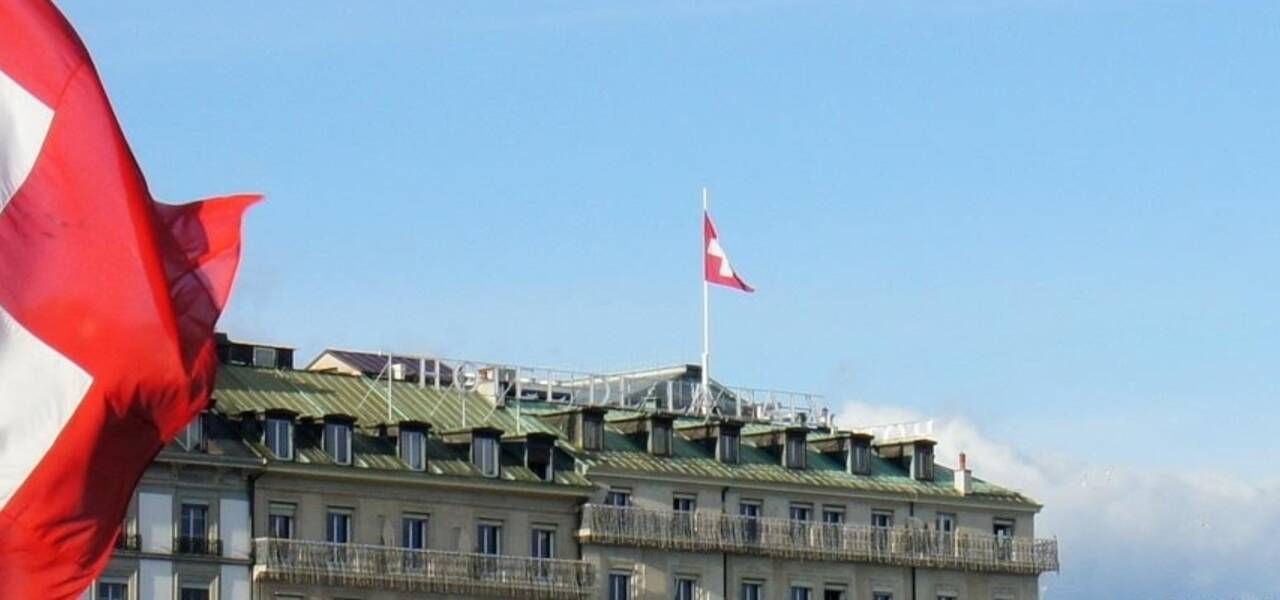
706, 319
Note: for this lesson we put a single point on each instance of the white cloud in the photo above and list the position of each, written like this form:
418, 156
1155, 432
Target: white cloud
1128, 532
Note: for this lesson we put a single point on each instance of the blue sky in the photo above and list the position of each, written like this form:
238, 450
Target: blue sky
1057, 222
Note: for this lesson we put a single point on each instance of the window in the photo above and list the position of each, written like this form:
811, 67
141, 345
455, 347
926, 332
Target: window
619, 498
882, 521
484, 454
192, 436
193, 529
660, 438
833, 515
945, 523
946, 596
113, 590
1003, 530
592, 432
882, 518
280, 520
619, 586
684, 506
833, 592
264, 357
752, 590
338, 526
801, 512
194, 592
337, 442
686, 588
413, 532
881, 596
860, 459
750, 510
279, 434
413, 449
795, 451
539, 457
489, 538
922, 462
728, 445
544, 542
801, 593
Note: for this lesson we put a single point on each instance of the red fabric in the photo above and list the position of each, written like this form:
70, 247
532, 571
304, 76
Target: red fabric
126, 288
716, 268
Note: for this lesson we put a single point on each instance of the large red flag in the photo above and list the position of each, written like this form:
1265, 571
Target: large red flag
107, 306
716, 268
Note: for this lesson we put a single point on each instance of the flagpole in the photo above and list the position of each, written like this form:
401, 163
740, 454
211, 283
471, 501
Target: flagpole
706, 316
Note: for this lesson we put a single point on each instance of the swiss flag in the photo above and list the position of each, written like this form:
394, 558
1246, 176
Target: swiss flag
107, 307
716, 267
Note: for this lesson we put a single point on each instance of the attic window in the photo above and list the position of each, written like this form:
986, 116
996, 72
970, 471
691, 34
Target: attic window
860, 459
538, 458
484, 454
337, 442
192, 436
728, 445
660, 437
592, 431
278, 434
922, 462
413, 448
794, 454
264, 357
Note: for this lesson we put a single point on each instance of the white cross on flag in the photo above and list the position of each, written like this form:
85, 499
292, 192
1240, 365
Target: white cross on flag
108, 301
717, 269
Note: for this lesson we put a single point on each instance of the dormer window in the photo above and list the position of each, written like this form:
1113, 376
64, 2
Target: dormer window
192, 436
539, 453
728, 445
922, 460
278, 436
660, 436
795, 452
592, 434
484, 454
265, 357
860, 454
413, 448
337, 441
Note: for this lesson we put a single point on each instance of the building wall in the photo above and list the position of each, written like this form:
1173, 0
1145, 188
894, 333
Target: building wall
155, 571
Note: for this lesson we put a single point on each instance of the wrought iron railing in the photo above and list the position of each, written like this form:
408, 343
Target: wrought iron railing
186, 544
782, 538
128, 542
422, 571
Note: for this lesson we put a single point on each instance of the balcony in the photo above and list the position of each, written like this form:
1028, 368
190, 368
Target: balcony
421, 571
128, 542
782, 538
201, 545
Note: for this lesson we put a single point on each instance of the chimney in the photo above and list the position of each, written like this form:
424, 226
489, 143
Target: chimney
964, 477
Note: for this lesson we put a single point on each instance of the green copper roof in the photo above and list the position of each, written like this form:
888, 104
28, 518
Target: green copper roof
762, 466
314, 395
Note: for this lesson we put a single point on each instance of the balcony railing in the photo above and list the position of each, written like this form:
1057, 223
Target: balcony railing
782, 538
184, 544
422, 571
128, 542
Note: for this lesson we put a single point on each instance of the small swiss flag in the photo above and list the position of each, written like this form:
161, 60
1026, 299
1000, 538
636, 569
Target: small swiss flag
717, 269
